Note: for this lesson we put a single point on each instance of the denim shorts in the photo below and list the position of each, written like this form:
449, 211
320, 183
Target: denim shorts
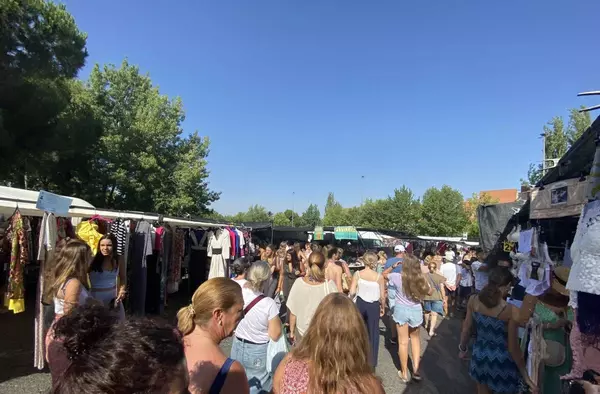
254, 360
411, 315
434, 306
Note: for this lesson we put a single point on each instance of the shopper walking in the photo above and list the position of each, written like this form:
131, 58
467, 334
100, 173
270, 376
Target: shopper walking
332, 358
239, 268
306, 294
497, 363
450, 271
434, 303
216, 309
369, 289
411, 288
260, 323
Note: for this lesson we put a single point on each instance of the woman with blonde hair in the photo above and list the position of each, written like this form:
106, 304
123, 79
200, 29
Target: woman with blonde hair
369, 289
216, 309
434, 303
306, 294
259, 325
332, 358
382, 259
411, 288
68, 280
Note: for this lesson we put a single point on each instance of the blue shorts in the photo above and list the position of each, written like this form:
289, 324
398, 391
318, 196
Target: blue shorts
434, 306
413, 316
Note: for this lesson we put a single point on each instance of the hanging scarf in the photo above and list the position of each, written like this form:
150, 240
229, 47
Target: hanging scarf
19, 255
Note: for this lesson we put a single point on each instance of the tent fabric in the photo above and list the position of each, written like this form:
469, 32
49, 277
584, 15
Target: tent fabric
558, 199
496, 221
26, 200
578, 159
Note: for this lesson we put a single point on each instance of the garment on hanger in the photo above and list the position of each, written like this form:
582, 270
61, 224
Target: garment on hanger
525, 238
177, 254
141, 253
219, 249
119, 230
88, 232
585, 252
231, 234
14, 299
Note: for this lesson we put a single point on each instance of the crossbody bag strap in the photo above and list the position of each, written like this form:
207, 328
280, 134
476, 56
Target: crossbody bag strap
254, 302
432, 281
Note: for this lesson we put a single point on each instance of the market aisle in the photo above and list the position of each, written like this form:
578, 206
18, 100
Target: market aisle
441, 370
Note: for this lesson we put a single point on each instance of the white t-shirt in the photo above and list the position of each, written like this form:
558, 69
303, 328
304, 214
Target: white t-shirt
240, 282
481, 277
466, 278
450, 271
304, 300
255, 325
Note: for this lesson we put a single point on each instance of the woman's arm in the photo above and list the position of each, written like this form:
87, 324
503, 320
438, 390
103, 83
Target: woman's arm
279, 283
353, 285
527, 309
465, 333
72, 291
292, 326
274, 328
346, 269
382, 297
122, 279
337, 271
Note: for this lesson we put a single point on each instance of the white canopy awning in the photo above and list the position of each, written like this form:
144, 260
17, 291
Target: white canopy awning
26, 200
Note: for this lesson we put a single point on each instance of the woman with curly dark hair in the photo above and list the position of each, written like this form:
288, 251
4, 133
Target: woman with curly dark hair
105, 356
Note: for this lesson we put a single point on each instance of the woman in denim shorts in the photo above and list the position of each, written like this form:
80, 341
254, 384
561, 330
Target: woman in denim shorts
411, 287
434, 302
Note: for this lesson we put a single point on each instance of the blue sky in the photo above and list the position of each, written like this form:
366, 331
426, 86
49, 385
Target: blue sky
308, 96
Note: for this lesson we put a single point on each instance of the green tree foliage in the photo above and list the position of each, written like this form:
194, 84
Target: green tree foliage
312, 216
559, 139
41, 50
334, 213
471, 206
256, 213
400, 212
443, 212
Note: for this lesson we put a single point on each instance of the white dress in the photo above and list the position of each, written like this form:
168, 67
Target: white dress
218, 251
585, 252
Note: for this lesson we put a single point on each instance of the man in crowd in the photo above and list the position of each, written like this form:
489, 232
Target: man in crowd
480, 270
399, 251
449, 270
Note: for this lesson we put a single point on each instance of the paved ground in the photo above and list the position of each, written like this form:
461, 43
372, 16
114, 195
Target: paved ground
442, 372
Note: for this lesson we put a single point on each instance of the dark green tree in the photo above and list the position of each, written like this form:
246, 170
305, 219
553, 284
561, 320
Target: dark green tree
311, 217
443, 212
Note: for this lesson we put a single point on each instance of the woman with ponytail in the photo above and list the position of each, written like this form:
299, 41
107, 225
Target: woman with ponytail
216, 309
497, 363
306, 294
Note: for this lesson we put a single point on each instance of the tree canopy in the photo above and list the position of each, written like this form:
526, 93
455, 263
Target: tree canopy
113, 140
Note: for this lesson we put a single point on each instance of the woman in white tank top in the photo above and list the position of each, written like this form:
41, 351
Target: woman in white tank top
369, 289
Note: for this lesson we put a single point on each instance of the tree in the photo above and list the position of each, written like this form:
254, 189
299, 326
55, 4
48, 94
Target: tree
471, 205
142, 161
559, 139
255, 213
400, 212
311, 217
443, 212
41, 50
334, 212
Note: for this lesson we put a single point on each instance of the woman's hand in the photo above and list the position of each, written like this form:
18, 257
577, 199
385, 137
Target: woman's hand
121, 296
532, 387
381, 311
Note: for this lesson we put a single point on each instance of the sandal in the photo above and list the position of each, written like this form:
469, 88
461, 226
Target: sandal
417, 377
404, 380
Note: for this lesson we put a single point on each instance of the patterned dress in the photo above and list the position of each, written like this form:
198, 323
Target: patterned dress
491, 363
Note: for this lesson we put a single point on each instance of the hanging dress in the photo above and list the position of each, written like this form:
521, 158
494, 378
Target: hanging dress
19, 256
219, 245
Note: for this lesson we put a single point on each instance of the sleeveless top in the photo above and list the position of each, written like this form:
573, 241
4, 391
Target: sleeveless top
368, 290
295, 377
104, 280
219, 382
59, 303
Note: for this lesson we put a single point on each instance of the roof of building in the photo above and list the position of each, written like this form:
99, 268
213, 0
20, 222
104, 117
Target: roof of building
502, 196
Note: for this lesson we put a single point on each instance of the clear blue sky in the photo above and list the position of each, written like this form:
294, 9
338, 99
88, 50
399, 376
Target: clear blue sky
307, 96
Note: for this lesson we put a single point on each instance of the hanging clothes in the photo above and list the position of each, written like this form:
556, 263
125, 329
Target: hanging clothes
119, 230
219, 249
177, 254
88, 232
140, 255
19, 255
198, 267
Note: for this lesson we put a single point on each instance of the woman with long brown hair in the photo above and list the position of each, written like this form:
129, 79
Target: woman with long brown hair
271, 256
306, 294
68, 280
332, 358
411, 288
216, 309
108, 275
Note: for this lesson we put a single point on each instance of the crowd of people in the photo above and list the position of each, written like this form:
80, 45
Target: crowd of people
301, 322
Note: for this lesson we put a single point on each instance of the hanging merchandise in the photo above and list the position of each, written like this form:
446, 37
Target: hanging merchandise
119, 229
346, 232
88, 232
219, 246
141, 245
19, 256
525, 241
177, 254
585, 252
318, 234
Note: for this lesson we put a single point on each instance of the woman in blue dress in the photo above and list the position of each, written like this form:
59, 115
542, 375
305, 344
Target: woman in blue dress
497, 363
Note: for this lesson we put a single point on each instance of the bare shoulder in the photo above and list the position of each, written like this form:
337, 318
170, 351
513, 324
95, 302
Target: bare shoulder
279, 372
236, 381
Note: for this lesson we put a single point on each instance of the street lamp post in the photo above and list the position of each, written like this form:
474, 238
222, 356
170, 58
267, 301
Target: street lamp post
362, 182
293, 207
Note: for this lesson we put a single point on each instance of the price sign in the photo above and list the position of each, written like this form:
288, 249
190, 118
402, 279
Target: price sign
54, 203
